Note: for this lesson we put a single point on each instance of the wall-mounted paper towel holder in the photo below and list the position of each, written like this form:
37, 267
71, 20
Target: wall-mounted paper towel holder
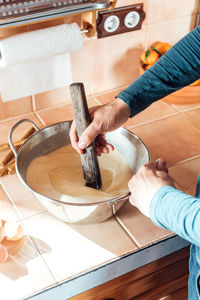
19, 12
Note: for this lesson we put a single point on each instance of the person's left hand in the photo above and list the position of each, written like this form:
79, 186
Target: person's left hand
146, 182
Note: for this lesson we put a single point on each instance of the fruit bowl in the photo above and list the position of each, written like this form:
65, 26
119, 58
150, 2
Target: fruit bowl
187, 95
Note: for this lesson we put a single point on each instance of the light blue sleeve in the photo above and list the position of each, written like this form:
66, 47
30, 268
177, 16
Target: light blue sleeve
176, 211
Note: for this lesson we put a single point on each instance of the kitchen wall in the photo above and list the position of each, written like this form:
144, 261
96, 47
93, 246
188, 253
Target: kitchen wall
104, 65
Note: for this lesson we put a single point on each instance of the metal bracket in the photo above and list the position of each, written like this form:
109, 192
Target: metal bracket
14, 12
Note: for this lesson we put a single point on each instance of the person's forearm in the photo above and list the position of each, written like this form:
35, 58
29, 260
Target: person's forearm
179, 67
178, 212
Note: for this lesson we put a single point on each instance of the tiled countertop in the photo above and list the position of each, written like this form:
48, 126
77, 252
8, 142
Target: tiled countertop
60, 260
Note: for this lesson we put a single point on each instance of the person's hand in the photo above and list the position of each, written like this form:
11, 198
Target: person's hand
146, 182
104, 118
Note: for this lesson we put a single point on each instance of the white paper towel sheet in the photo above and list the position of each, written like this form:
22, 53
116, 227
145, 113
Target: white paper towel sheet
37, 61
27, 79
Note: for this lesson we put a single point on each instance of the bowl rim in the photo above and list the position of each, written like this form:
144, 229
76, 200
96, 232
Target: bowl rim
107, 201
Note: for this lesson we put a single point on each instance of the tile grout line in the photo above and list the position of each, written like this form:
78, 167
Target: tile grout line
173, 19
33, 103
165, 236
40, 118
21, 221
148, 18
118, 89
34, 216
127, 231
16, 117
9, 199
14, 206
182, 189
98, 102
185, 160
185, 110
151, 121
133, 238
189, 120
91, 66
53, 106
44, 261
176, 113
33, 112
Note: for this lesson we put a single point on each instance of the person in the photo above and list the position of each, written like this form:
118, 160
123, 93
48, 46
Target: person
152, 189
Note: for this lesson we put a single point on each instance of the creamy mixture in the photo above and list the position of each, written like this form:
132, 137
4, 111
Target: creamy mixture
59, 175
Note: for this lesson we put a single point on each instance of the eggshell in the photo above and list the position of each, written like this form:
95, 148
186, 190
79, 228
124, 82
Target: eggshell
13, 247
3, 254
13, 231
2, 230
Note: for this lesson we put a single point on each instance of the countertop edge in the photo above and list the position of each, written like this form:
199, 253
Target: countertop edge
111, 270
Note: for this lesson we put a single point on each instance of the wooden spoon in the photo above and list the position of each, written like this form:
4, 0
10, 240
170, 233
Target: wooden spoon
90, 165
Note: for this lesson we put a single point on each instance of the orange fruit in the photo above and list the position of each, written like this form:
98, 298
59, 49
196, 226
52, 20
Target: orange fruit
148, 67
149, 57
162, 47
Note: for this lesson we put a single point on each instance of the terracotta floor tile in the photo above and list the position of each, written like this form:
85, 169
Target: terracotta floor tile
193, 116
155, 111
78, 248
53, 97
55, 115
173, 139
7, 211
186, 107
103, 232
60, 114
25, 273
108, 97
142, 229
185, 174
5, 127
15, 108
23, 199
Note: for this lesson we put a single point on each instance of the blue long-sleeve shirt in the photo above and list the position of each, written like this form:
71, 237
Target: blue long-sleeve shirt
174, 210
170, 208
179, 67
177, 211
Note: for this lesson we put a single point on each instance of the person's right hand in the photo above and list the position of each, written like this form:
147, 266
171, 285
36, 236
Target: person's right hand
146, 182
104, 118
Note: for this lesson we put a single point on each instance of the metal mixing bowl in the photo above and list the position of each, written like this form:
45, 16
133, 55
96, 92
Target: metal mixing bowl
53, 137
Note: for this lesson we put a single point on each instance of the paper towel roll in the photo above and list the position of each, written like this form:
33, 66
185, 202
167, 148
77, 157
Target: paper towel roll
39, 44
37, 61
22, 80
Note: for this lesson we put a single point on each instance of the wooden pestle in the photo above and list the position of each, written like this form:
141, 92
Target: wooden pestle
90, 165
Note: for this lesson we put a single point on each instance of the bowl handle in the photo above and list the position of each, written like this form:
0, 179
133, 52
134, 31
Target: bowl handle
12, 130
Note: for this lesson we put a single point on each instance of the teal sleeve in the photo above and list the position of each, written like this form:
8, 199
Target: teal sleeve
179, 67
176, 211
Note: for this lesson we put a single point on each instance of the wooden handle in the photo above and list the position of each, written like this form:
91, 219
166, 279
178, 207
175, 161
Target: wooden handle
90, 165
